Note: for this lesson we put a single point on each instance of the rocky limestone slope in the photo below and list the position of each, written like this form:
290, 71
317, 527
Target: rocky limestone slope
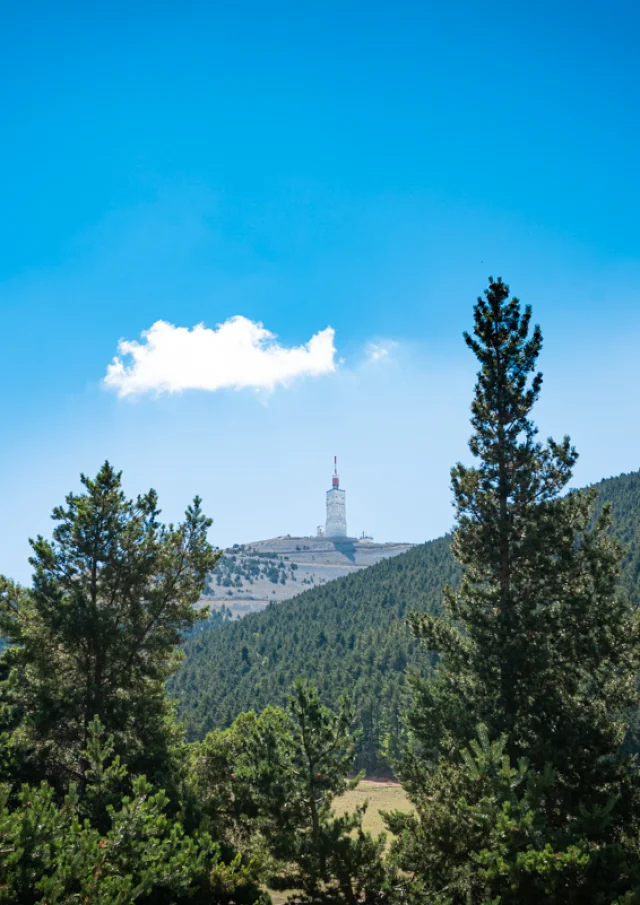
250, 576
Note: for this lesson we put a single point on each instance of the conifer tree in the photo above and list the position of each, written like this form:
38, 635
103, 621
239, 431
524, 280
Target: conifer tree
334, 861
539, 645
269, 783
97, 634
539, 648
107, 848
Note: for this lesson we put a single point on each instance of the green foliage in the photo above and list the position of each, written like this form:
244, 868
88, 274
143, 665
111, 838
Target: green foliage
83, 709
268, 783
483, 834
323, 752
98, 845
344, 865
241, 787
538, 644
213, 619
97, 634
622, 494
548, 650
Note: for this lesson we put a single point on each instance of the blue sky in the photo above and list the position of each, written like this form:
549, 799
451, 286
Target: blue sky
359, 167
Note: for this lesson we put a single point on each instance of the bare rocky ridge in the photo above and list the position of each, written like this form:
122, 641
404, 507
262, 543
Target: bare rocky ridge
250, 576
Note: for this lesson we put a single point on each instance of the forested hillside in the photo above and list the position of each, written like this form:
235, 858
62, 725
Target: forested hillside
348, 635
623, 493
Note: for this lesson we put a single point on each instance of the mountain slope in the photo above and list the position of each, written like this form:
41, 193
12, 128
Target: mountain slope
348, 634
623, 494
250, 576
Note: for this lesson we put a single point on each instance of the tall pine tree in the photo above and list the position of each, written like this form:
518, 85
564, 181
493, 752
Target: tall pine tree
538, 645
537, 642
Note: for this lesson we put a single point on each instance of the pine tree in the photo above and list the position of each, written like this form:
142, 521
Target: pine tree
97, 634
270, 783
536, 643
333, 860
104, 847
539, 644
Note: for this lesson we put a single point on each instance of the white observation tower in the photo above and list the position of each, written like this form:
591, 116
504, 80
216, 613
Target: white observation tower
336, 507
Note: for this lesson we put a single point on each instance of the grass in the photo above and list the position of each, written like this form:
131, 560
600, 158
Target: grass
382, 795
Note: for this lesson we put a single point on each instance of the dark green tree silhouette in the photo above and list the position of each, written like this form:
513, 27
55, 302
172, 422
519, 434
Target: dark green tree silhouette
97, 634
537, 643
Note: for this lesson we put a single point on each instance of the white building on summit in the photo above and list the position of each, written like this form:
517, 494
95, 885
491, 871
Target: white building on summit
336, 525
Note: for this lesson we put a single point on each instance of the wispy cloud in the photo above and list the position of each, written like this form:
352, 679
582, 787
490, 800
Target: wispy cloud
237, 354
380, 350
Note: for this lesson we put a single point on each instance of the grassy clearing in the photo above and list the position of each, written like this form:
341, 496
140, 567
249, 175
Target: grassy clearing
382, 796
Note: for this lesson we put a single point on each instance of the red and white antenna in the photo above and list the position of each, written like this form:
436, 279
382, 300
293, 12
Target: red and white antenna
336, 479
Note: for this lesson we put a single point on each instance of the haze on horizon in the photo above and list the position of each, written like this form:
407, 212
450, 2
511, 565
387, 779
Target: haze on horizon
239, 239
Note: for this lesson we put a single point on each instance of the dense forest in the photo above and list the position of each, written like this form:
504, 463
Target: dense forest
350, 636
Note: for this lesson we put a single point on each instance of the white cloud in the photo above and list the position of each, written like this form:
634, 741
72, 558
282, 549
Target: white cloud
380, 350
237, 354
